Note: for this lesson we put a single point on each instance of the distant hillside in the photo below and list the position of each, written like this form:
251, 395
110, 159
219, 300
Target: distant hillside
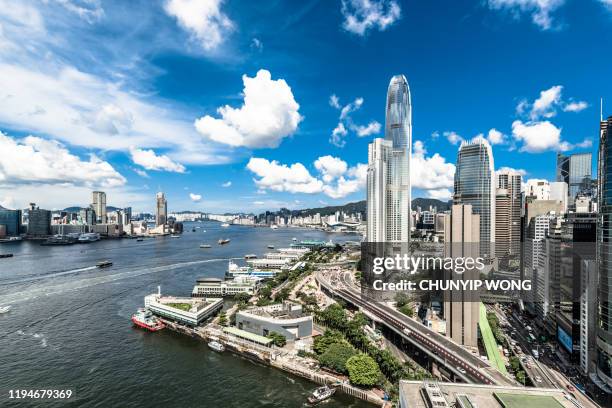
424, 203
360, 207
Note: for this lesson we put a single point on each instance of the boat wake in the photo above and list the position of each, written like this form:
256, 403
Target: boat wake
50, 290
32, 278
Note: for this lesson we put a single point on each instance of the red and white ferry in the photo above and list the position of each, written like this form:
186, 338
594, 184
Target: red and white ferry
145, 319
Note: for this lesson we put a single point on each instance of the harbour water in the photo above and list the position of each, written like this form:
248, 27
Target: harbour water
69, 324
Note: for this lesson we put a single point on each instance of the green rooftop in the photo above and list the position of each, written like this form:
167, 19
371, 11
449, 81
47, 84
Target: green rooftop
490, 344
526, 401
243, 334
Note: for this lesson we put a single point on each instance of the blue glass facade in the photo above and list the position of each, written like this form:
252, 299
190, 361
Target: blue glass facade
11, 219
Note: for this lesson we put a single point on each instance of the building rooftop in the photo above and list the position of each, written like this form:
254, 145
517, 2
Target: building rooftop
425, 394
209, 280
243, 334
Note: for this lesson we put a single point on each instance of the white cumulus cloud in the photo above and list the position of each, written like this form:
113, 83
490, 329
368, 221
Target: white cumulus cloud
495, 136
269, 114
346, 122
335, 178
540, 10
151, 161
453, 137
538, 137
202, 19
226, 184
576, 106
196, 198
363, 15
432, 174
280, 177
33, 160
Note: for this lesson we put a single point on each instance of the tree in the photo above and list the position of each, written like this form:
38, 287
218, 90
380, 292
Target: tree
401, 299
520, 376
282, 294
222, 319
242, 297
363, 370
407, 310
336, 356
277, 339
321, 343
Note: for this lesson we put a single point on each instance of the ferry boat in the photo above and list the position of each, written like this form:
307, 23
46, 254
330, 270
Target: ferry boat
205, 246
223, 241
143, 318
104, 264
225, 225
273, 226
6, 255
250, 256
5, 309
270, 246
294, 239
321, 394
58, 240
215, 345
88, 237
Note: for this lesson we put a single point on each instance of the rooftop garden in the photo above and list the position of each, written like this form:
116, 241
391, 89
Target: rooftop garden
185, 307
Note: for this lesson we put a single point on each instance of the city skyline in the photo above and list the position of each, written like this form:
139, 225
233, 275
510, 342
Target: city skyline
173, 114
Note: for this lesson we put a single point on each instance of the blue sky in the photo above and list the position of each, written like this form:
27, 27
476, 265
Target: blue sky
247, 106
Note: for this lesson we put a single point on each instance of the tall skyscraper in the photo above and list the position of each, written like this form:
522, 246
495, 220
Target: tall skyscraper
99, 206
575, 170
475, 185
461, 238
604, 254
161, 209
388, 193
508, 214
39, 221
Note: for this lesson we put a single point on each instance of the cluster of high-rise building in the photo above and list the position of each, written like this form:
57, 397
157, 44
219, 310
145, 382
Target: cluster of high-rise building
556, 234
38, 223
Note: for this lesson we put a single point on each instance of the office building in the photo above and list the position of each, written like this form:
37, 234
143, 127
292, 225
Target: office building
388, 178
126, 216
161, 209
190, 311
559, 192
604, 258
475, 186
99, 206
461, 238
508, 215
39, 222
575, 170
11, 221
226, 287
87, 216
538, 189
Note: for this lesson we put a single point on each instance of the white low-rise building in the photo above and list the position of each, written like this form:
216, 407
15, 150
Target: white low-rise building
226, 287
186, 310
266, 263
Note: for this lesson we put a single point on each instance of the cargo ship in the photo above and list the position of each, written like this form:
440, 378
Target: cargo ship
144, 319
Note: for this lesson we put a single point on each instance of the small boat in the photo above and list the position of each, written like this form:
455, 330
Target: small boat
4, 309
270, 246
144, 319
223, 241
294, 239
139, 239
175, 236
215, 345
104, 264
193, 230
250, 256
321, 394
273, 226
225, 225
205, 246
6, 255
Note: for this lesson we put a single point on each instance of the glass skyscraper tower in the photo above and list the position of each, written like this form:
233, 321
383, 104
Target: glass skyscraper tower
389, 171
604, 254
475, 185
575, 170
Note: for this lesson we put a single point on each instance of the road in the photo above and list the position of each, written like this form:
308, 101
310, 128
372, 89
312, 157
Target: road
461, 361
